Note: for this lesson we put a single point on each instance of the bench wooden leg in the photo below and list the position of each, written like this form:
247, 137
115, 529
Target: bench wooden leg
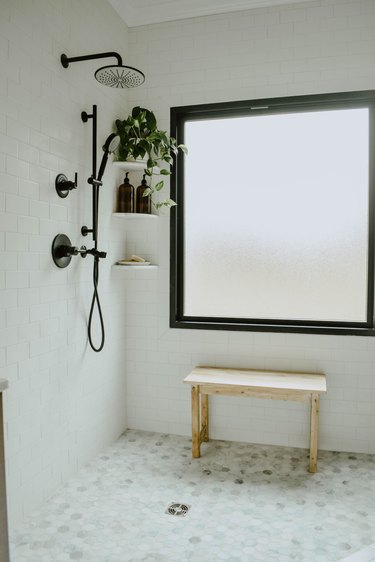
204, 411
195, 433
314, 421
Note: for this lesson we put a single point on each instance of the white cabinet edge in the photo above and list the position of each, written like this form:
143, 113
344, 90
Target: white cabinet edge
3, 384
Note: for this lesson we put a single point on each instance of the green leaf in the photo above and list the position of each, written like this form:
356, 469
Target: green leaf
159, 186
140, 137
147, 192
166, 203
139, 151
146, 146
151, 120
151, 163
184, 148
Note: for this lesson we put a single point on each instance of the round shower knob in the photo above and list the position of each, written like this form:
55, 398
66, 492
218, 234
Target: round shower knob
62, 250
63, 185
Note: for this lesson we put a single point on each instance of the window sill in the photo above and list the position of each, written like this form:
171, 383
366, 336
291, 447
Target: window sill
213, 324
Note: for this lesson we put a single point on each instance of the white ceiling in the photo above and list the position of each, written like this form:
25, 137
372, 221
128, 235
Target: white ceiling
141, 12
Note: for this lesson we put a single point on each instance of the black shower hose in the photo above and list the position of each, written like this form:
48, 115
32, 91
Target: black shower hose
95, 299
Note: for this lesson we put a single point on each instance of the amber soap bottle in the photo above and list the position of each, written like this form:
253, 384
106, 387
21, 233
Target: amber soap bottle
143, 204
125, 199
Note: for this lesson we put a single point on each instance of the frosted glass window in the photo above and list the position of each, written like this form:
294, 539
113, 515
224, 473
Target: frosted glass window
276, 217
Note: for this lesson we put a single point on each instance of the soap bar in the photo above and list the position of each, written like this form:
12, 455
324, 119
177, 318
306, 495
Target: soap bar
136, 258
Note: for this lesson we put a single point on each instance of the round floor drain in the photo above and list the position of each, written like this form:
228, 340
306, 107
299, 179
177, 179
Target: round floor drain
178, 509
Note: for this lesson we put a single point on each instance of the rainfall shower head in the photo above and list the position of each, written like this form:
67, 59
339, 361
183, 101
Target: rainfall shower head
114, 76
119, 76
109, 146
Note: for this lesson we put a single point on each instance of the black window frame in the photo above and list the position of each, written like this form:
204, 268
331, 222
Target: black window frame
179, 115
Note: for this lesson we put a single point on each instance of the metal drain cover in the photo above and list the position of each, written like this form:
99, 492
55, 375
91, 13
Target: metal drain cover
178, 509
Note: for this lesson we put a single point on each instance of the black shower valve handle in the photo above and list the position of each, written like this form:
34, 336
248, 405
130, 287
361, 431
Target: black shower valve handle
63, 185
66, 251
96, 253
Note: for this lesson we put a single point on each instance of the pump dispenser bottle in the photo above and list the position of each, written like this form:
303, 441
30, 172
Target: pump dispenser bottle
143, 204
125, 200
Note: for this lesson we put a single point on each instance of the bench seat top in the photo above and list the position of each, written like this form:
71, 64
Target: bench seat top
267, 380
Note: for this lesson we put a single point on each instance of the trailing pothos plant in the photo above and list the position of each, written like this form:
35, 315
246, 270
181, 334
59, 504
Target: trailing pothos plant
140, 138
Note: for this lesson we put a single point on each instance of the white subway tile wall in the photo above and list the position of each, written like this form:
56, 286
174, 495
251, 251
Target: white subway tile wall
65, 403
315, 47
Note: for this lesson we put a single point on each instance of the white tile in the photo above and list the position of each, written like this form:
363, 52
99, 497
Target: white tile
8, 222
17, 352
17, 130
8, 183
364, 555
39, 209
28, 189
16, 167
15, 242
17, 279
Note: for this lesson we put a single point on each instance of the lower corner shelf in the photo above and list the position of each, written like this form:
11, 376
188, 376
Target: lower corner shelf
139, 268
135, 215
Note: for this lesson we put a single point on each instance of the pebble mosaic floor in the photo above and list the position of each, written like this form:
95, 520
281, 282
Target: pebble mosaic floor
249, 503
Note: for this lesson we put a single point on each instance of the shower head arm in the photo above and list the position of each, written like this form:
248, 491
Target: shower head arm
65, 61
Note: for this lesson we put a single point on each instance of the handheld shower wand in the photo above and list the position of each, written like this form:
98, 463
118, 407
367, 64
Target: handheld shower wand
109, 146
95, 181
62, 249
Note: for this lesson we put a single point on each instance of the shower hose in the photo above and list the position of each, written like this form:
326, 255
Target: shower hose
96, 300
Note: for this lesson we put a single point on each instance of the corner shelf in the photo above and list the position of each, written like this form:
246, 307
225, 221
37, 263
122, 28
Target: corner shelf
139, 268
134, 166
135, 215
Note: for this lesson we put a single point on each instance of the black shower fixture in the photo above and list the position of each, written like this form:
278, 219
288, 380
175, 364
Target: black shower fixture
63, 185
114, 76
109, 146
95, 180
62, 251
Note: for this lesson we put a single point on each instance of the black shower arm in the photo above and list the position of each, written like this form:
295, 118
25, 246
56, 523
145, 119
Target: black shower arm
65, 61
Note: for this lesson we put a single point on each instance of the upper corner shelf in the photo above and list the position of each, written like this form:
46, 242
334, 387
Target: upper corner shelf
134, 166
136, 215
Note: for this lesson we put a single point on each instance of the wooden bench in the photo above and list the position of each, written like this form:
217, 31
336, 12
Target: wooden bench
300, 387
